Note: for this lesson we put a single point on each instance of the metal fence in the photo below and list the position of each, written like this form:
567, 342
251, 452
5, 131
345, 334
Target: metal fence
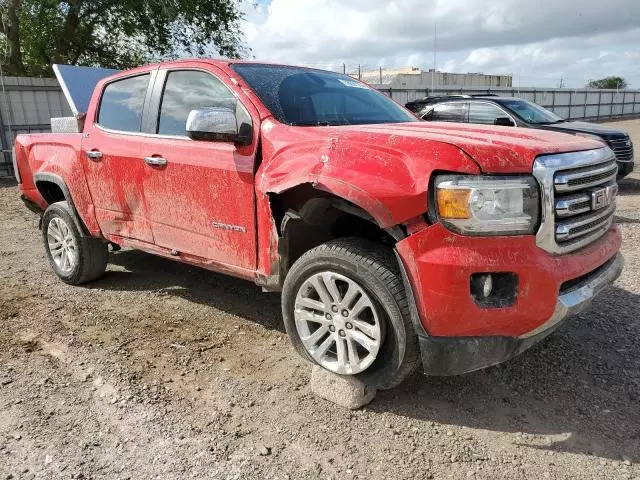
572, 104
27, 104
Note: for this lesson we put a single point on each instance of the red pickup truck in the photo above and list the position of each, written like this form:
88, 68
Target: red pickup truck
394, 242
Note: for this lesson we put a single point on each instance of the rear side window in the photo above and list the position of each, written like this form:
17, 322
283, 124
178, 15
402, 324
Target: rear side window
484, 113
187, 90
121, 104
449, 112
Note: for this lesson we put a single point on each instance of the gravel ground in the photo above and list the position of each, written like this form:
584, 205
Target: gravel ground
160, 370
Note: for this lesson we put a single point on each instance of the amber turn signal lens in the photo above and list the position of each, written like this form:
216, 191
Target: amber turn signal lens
453, 203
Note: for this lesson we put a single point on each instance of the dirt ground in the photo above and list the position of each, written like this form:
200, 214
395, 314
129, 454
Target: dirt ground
164, 371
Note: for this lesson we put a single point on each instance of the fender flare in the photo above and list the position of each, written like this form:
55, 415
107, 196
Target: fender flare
57, 180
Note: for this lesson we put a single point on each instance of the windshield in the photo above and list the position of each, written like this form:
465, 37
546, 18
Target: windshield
531, 113
302, 96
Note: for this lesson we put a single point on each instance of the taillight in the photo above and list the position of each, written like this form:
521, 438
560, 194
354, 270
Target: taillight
16, 172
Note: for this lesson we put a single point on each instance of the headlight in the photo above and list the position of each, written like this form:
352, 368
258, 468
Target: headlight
592, 137
474, 205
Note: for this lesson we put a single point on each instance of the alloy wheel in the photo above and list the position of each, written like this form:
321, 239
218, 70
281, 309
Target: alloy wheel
337, 323
62, 245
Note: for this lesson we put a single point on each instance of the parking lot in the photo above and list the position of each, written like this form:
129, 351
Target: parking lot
161, 370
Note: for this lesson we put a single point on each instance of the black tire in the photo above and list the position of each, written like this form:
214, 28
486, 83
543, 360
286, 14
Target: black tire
375, 268
92, 253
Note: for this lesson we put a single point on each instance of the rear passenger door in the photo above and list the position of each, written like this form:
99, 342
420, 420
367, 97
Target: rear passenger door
448, 112
113, 166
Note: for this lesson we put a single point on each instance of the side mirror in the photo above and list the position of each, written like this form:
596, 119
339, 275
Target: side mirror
504, 122
217, 124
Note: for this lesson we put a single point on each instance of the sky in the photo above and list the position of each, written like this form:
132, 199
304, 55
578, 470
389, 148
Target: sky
540, 42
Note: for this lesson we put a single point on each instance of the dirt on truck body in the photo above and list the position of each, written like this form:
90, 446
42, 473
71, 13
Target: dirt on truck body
397, 244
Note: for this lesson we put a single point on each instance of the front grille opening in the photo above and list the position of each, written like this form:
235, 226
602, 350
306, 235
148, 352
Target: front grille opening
576, 283
581, 178
581, 205
588, 226
594, 178
587, 169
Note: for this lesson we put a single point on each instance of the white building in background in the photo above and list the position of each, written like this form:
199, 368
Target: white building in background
415, 78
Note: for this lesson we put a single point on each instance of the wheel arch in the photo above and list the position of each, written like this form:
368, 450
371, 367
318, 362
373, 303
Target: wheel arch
53, 189
305, 216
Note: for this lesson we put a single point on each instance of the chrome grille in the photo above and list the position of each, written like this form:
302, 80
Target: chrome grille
581, 178
582, 225
622, 148
578, 191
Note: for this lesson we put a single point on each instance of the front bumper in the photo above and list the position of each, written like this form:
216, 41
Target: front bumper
454, 356
456, 334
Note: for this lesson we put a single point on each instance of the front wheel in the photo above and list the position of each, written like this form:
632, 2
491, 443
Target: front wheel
74, 257
345, 309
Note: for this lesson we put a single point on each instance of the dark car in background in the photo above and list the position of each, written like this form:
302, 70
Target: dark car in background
516, 112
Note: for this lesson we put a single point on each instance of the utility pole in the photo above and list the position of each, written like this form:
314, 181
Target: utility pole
359, 73
435, 47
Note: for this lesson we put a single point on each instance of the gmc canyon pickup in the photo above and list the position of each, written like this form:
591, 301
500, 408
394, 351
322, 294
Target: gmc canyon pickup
394, 242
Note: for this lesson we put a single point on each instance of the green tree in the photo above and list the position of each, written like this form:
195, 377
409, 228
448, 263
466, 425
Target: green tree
35, 34
618, 83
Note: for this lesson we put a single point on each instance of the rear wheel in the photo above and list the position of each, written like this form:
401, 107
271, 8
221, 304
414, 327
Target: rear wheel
345, 309
74, 257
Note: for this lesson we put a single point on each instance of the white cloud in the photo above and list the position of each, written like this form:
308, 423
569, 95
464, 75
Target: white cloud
538, 41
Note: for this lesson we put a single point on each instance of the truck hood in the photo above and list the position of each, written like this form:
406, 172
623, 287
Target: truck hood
494, 149
385, 169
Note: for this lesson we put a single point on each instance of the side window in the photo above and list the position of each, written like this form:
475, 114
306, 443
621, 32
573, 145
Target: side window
450, 112
121, 104
187, 90
484, 113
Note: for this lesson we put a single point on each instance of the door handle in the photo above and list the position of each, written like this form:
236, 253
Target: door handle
155, 161
94, 155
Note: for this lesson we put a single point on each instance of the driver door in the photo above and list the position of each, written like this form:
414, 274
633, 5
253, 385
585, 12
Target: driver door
200, 196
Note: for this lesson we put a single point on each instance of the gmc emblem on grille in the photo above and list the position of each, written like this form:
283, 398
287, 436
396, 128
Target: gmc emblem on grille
603, 197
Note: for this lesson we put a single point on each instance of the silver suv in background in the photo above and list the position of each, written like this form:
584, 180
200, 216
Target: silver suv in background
516, 112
